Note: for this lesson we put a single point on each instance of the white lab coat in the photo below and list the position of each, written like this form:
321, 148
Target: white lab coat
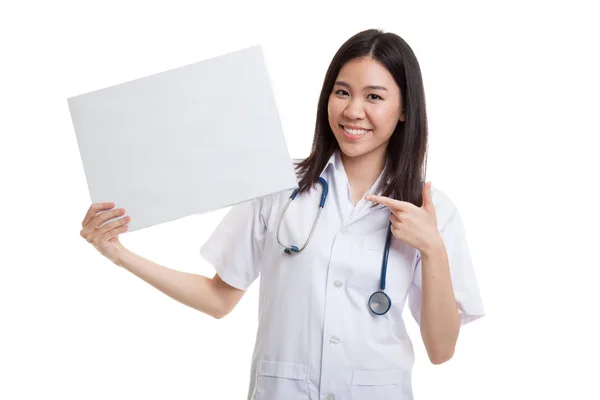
316, 337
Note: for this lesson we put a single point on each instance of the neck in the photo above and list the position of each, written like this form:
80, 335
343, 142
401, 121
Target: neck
363, 171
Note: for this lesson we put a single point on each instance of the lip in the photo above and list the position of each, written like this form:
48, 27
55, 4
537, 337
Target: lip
352, 137
355, 127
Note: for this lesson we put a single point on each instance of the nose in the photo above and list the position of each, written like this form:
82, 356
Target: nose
354, 110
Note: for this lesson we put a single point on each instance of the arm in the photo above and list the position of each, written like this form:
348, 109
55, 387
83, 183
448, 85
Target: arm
440, 322
418, 227
210, 296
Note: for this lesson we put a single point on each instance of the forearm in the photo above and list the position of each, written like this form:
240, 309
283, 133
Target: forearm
196, 291
439, 321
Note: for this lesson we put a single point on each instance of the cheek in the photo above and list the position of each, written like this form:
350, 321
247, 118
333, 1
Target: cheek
333, 108
332, 116
330, 110
384, 117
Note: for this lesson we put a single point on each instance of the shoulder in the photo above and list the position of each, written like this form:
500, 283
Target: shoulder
445, 209
273, 199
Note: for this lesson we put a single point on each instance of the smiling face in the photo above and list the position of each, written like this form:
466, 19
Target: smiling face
364, 108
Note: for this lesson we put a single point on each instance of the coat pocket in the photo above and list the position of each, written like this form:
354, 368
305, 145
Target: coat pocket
282, 380
378, 384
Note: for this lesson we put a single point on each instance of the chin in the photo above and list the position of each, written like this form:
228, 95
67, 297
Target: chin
353, 151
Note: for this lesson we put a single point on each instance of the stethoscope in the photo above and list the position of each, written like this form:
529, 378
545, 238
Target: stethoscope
379, 302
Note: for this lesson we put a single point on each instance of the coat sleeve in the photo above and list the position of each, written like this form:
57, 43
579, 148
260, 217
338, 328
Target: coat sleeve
235, 248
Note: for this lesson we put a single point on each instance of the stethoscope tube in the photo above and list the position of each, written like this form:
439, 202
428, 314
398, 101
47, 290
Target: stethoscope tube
379, 302
294, 249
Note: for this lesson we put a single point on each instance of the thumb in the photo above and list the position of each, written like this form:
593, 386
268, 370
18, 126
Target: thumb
427, 200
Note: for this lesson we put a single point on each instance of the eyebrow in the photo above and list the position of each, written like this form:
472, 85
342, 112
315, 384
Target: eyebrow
373, 87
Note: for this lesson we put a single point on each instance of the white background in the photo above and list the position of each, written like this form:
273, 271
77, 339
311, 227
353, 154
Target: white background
512, 96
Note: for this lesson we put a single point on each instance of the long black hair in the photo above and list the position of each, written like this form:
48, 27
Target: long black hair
404, 173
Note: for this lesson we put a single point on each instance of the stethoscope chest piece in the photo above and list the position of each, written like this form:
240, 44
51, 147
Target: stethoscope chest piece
379, 303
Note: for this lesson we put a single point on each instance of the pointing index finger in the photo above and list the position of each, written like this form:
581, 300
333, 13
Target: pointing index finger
394, 205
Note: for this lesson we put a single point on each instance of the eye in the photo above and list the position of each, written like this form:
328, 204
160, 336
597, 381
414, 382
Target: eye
341, 92
374, 97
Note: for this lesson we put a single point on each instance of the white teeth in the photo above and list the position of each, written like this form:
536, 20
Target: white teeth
356, 131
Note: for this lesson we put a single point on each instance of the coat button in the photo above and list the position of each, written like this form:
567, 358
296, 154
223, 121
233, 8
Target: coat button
338, 284
334, 340
330, 397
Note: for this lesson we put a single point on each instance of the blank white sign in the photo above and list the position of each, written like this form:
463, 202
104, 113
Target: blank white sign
184, 141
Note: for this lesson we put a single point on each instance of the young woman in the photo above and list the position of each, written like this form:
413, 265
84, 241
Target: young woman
335, 279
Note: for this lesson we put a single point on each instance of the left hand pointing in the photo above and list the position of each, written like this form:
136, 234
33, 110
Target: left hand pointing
416, 226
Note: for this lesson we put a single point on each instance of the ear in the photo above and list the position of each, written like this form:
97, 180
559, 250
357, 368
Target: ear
402, 116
